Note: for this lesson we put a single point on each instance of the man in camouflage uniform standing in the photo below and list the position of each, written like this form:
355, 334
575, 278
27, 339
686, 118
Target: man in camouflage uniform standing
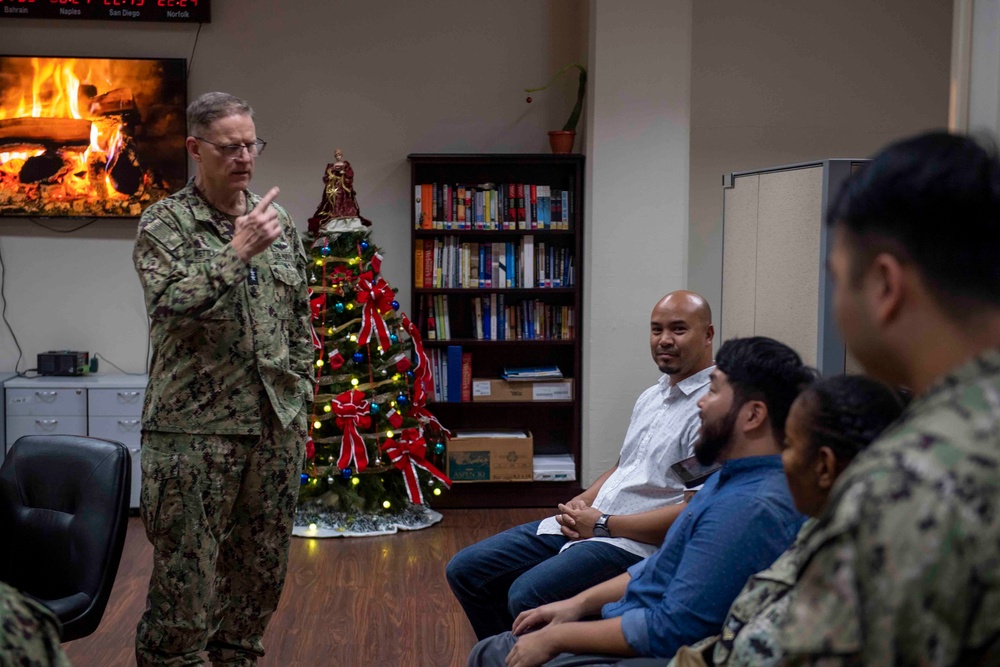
904, 565
223, 271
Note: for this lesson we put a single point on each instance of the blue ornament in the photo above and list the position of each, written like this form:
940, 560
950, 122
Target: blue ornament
339, 307
375, 409
439, 448
303, 478
395, 305
325, 250
394, 338
410, 375
364, 245
346, 473
358, 357
402, 399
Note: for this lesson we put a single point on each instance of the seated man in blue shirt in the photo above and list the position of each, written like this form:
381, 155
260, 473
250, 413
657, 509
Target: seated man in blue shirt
741, 520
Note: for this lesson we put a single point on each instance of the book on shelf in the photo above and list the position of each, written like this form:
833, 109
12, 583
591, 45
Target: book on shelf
466, 377
495, 318
448, 263
531, 373
427, 317
418, 209
489, 206
454, 373
477, 310
528, 260
427, 206
453, 369
418, 265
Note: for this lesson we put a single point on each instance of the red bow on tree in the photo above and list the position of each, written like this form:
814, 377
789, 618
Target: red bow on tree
316, 307
351, 409
377, 299
407, 453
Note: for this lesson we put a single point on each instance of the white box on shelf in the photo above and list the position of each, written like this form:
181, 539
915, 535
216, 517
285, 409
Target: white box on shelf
554, 468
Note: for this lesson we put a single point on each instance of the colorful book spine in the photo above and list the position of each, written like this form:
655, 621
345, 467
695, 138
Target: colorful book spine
466, 377
418, 264
454, 373
521, 217
417, 207
427, 206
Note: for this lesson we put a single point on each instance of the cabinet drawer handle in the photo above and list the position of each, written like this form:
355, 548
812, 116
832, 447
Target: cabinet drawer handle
47, 423
129, 396
129, 424
47, 395
135, 450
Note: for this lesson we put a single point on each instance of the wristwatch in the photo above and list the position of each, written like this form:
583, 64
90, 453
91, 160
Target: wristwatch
601, 526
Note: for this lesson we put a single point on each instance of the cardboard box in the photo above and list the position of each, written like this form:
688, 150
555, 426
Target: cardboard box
488, 389
494, 456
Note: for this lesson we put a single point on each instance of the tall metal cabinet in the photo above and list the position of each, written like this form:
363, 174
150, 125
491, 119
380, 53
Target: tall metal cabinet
774, 280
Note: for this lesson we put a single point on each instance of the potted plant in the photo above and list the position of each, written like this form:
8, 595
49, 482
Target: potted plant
562, 140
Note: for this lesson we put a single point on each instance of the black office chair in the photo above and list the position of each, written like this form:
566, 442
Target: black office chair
63, 514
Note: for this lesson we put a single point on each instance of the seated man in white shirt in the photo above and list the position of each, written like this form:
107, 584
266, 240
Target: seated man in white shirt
622, 517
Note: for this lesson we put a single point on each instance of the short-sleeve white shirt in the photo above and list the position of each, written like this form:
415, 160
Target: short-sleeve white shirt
663, 430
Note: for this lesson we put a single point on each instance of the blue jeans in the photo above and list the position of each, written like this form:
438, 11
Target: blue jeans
492, 652
516, 570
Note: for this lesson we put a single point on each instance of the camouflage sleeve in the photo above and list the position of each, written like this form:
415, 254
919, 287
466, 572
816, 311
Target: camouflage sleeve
174, 287
29, 633
878, 590
302, 354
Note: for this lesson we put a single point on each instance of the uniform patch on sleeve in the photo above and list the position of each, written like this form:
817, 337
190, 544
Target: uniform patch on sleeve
164, 235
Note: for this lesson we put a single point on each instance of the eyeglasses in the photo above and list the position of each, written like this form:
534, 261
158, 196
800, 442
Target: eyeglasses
233, 151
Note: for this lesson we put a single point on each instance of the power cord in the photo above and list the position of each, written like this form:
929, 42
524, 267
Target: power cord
98, 355
193, 47
3, 312
35, 221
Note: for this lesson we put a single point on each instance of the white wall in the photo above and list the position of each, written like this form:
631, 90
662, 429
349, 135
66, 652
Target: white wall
379, 78
782, 81
637, 173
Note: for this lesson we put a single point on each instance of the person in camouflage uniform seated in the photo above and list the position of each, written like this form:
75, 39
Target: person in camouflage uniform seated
224, 421
903, 567
29, 632
828, 425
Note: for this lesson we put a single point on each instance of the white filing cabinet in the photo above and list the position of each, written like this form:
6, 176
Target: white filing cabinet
101, 406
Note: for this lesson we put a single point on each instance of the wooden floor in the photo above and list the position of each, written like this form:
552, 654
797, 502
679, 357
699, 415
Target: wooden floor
350, 602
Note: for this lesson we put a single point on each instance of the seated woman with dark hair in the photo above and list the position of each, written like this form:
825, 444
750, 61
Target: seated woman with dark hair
829, 424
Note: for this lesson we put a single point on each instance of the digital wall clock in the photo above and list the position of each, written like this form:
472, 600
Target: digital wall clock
167, 11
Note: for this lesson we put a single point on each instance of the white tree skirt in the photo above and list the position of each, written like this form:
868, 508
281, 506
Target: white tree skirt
311, 521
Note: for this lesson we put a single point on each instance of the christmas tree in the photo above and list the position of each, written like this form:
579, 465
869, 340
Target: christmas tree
375, 454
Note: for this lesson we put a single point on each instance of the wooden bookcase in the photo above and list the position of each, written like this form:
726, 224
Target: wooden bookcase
555, 425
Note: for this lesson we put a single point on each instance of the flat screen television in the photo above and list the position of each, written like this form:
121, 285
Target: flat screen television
90, 137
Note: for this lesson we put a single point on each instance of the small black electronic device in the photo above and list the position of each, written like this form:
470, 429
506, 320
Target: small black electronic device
693, 473
63, 362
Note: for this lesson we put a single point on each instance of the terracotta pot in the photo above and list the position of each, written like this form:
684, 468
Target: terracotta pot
561, 141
